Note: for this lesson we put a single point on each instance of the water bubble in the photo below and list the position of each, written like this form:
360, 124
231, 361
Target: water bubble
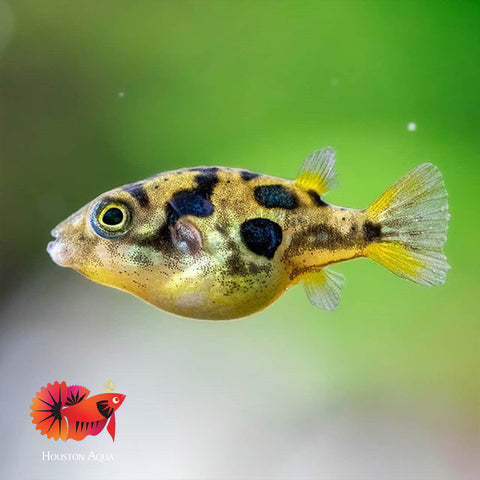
412, 126
121, 94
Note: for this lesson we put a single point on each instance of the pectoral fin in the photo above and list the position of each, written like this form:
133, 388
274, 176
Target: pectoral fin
323, 288
111, 426
186, 237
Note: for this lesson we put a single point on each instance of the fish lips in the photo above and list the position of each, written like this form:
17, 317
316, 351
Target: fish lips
61, 249
58, 250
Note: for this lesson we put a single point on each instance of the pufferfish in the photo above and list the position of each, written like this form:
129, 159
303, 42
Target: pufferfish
222, 243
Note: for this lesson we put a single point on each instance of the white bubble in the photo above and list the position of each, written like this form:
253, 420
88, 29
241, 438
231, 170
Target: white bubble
412, 126
121, 94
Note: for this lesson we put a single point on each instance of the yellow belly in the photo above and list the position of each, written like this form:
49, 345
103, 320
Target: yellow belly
215, 297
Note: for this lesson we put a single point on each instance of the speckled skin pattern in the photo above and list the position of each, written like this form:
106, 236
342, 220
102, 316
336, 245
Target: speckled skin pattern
211, 242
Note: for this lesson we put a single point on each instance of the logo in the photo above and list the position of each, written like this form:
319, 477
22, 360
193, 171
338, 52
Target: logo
65, 412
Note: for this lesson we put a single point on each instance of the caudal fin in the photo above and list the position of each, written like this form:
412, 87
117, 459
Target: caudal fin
408, 225
46, 410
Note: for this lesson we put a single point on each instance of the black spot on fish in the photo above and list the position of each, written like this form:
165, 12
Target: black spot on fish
321, 236
188, 202
195, 201
275, 196
206, 181
185, 202
318, 236
261, 236
246, 175
317, 198
137, 191
372, 231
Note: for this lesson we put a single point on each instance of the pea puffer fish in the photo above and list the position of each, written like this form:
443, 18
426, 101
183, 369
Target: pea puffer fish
222, 243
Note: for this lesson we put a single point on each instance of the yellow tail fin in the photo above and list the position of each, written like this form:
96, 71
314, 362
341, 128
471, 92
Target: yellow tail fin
412, 217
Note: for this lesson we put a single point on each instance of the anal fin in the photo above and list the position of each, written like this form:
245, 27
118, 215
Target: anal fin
323, 288
111, 426
78, 430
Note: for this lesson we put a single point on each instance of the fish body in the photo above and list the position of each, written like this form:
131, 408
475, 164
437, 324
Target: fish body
222, 243
65, 412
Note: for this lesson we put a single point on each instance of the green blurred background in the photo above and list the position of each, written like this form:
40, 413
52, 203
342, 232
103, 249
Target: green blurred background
98, 94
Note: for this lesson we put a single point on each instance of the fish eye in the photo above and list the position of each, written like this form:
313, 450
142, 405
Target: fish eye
110, 219
113, 217
115, 400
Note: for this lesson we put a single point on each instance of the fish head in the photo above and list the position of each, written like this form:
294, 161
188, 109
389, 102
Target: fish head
108, 403
115, 400
118, 241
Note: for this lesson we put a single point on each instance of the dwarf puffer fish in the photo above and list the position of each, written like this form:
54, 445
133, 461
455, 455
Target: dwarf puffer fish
222, 243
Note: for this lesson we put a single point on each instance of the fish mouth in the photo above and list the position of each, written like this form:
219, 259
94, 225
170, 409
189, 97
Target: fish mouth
62, 248
55, 233
57, 249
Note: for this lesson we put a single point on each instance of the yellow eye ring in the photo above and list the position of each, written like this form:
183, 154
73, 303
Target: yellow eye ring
112, 218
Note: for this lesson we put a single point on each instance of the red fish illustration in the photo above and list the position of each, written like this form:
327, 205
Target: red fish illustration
65, 412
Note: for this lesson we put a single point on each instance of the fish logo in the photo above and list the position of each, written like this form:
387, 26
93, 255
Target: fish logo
65, 412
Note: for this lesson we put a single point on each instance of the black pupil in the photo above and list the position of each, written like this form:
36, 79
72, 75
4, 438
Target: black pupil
113, 216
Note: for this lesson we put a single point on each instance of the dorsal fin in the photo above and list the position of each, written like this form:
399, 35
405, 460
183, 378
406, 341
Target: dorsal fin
75, 394
318, 172
323, 288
